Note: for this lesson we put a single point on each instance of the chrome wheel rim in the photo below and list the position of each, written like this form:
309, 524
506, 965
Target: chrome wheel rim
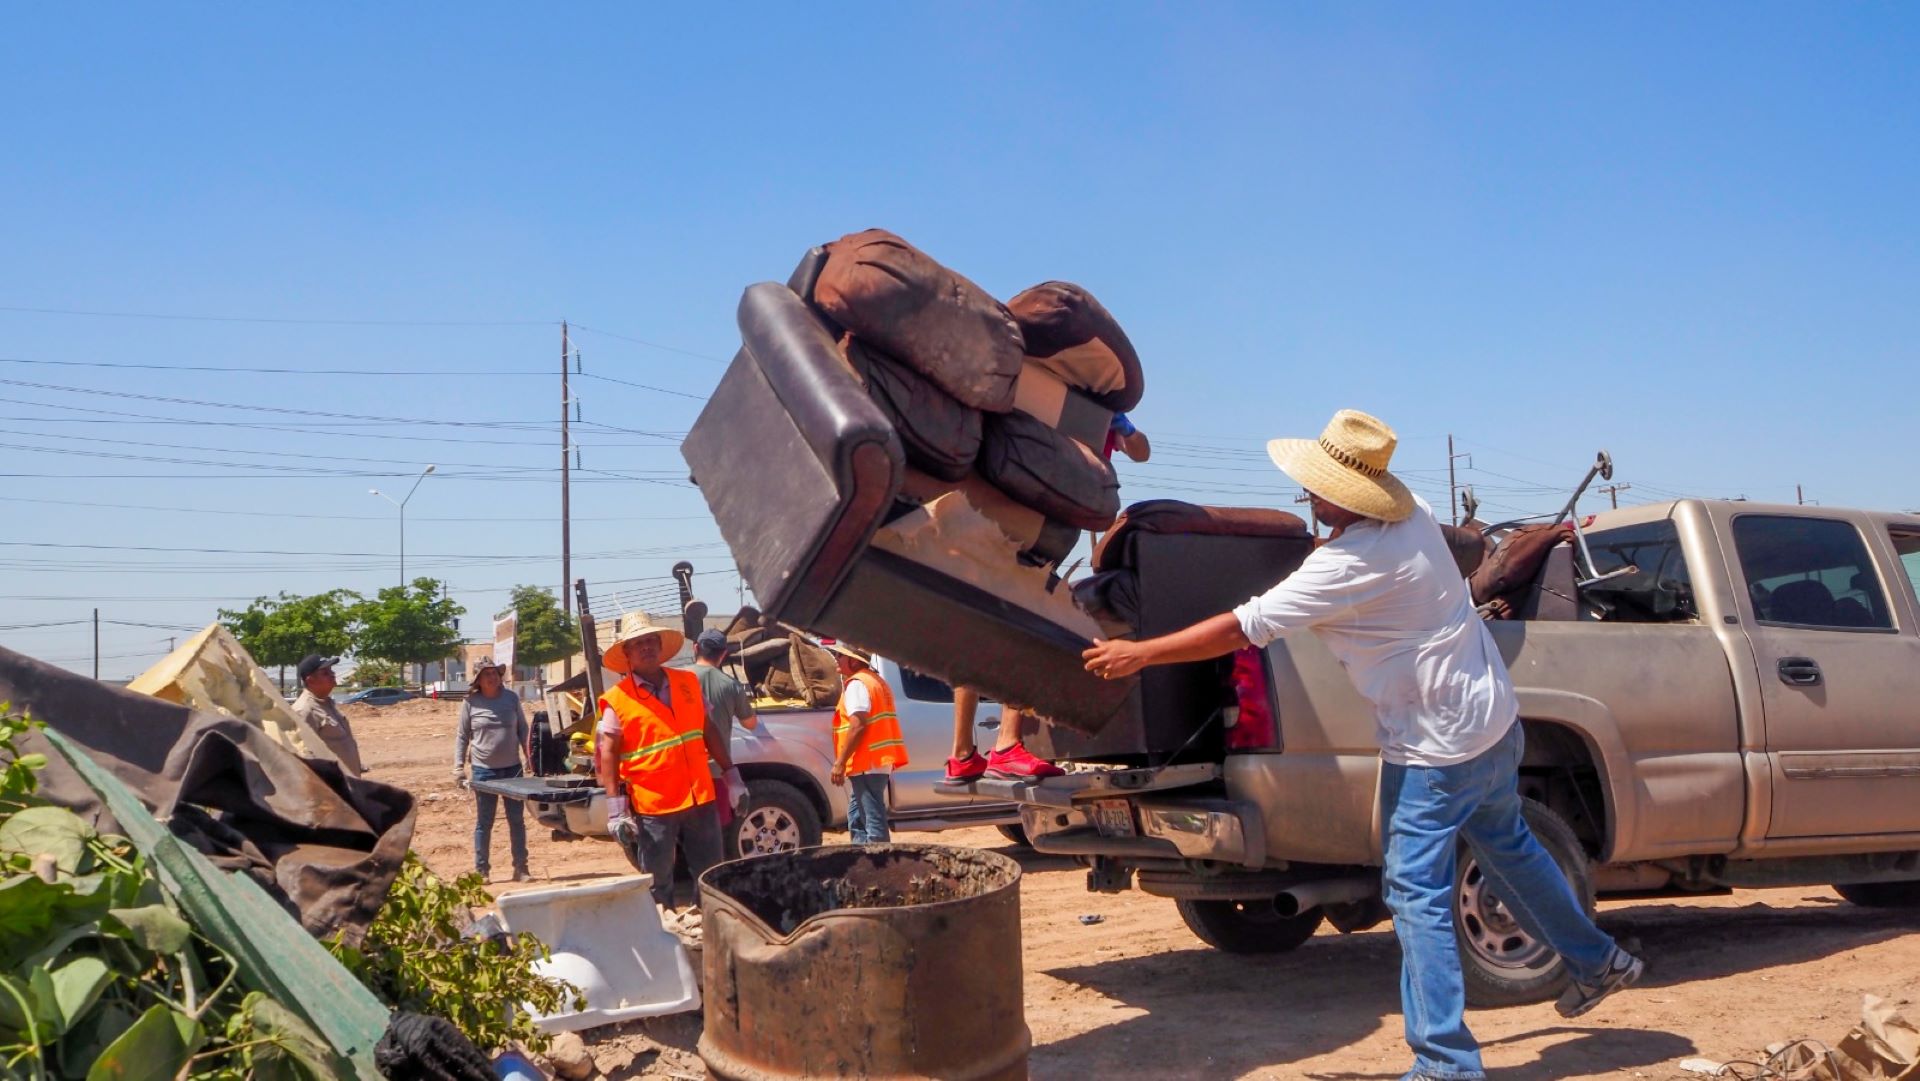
763, 830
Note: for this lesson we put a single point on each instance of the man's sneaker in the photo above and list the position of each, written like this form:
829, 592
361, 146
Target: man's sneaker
1624, 970
521, 874
962, 770
1016, 763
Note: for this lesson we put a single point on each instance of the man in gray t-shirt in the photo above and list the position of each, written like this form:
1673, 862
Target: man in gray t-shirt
727, 700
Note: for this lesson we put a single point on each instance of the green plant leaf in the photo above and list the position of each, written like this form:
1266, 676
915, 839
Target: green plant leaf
154, 1049
154, 927
54, 830
77, 986
93, 1035
297, 1052
11, 1019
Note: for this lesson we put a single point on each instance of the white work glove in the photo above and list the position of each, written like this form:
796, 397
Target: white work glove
620, 822
460, 777
736, 790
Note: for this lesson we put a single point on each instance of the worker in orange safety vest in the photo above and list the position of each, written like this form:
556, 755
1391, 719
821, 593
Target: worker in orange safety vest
652, 749
867, 744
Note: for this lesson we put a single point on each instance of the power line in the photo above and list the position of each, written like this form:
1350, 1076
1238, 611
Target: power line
648, 344
342, 517
254, 370
280, 320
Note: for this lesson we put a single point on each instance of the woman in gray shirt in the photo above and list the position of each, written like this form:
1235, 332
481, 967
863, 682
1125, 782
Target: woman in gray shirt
491, 732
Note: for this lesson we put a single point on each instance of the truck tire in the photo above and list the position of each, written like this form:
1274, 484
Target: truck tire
1015, 835
1247, 926
1501, 963
777, 818
1880, 894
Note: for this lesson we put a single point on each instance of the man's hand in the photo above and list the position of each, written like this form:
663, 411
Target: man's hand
838, 777
736, 790
1114, 659
621, 823
460, 777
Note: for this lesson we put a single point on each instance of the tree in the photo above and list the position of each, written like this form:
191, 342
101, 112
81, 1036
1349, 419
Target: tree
368, 672
410, 625
542, 632
278, 631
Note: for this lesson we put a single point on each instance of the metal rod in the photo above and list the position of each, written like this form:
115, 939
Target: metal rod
96, 643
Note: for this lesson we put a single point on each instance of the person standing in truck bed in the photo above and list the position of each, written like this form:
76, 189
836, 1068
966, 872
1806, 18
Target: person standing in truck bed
1386, 597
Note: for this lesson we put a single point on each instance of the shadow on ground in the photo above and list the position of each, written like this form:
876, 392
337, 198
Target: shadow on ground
1338, 990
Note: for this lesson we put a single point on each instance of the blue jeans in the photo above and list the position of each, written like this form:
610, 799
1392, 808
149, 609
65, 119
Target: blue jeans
1426, 810
483, 807
867, 808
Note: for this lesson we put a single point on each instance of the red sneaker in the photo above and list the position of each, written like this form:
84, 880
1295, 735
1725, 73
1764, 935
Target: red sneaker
962, 770
1016, 763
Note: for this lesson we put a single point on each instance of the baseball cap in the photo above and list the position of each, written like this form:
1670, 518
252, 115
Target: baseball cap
711, 641
313, 662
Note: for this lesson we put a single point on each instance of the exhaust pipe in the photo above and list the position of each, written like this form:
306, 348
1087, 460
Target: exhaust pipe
1330, 891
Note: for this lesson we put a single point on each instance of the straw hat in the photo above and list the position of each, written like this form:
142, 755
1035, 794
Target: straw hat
481, 667
1347, 466
846, 650
635, 625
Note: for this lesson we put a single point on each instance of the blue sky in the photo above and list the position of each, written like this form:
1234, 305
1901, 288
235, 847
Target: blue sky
1686, 235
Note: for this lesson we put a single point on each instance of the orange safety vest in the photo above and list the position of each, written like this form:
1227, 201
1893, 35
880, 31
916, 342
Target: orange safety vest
663, 748
880, 742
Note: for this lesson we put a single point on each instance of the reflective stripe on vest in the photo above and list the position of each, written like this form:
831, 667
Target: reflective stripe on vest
881, 744
664, 763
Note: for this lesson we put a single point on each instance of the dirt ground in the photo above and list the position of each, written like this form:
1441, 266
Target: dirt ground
1136, 995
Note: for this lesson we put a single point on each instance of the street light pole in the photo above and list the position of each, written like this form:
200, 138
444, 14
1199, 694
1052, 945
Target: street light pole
402, 504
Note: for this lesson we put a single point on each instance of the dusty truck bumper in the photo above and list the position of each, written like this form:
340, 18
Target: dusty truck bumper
1137, 814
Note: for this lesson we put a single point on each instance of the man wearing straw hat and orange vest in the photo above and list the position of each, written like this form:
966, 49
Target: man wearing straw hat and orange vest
652, 750
867, 744
1386, 597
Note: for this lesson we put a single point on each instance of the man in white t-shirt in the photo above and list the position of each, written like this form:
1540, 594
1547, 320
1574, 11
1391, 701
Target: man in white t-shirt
1386, 597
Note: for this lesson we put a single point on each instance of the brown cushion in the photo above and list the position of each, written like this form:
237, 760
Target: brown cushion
940, 435
1050, 472
899, 299
1071, 334
1513, 565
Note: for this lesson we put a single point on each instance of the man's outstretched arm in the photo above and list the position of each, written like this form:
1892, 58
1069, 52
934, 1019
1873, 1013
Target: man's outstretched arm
1209, 638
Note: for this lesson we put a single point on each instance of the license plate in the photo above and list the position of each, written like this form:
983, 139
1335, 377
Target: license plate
1113, 818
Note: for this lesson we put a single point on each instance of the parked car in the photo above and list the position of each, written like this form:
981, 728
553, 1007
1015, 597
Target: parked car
786, 761
381, 696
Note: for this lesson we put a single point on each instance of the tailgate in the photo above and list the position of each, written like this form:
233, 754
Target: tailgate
540, 789
1085, 786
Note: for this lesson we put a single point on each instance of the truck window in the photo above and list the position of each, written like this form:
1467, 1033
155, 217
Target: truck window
1658, 590
1908, 545
924, 688
1809, 572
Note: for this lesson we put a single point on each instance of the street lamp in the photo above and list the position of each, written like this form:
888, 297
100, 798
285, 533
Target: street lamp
402, 504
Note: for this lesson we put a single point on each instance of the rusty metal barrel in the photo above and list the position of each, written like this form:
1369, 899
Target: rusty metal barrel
869, 961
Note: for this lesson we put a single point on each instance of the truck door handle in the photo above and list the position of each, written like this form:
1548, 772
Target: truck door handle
1799, 671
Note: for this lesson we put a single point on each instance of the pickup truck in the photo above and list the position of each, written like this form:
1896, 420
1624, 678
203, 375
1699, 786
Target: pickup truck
1727, 695
1721, 695
785, 761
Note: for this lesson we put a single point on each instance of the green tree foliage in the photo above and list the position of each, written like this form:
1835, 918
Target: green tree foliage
542, 632
368, 672
278, 631
411, 625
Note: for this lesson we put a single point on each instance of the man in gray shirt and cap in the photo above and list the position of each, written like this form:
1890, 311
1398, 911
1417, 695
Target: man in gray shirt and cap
315, 707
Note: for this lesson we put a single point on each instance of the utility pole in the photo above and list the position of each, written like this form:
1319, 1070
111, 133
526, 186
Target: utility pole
1453, 500
96, 643
1613, 492
1799, 496
1307, 497
566, 497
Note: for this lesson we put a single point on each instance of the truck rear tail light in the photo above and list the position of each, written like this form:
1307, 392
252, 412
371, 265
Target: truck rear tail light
1254, 727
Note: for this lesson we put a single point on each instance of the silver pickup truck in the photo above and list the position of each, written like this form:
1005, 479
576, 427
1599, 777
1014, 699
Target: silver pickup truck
785, 761
1734, 702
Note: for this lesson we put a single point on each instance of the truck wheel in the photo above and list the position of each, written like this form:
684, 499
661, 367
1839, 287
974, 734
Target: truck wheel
1248, 926
1502, 964
778, 818
1015, 835
1880, 894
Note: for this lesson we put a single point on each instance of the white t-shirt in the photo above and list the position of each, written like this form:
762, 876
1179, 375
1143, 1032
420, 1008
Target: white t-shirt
1389, 602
